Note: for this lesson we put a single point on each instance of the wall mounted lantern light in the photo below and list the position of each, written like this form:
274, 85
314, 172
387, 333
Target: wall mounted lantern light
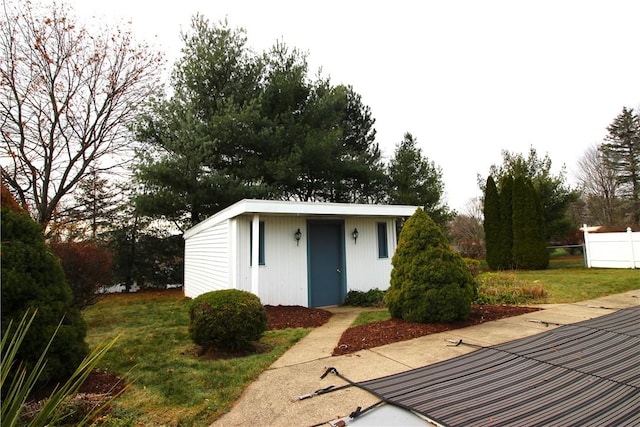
298, 235
354, 234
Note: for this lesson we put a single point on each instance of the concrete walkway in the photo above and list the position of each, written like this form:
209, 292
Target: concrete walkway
268, 400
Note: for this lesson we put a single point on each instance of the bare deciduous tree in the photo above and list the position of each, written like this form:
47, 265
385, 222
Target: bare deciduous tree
599, 184
66, 98
466, 230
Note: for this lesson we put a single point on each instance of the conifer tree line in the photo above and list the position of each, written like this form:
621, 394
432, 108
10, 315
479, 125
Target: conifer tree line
514, 225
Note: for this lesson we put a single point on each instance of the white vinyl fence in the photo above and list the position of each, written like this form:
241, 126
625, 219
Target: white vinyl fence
612, 250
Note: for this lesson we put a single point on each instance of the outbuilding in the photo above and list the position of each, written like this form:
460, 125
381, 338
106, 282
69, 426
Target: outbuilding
293, 253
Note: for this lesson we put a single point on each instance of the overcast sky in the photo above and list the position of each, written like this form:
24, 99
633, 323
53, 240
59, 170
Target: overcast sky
467, 78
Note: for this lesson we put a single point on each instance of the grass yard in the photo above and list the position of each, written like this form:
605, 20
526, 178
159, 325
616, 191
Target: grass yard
172, 384
371, 316
568, 280
579, 284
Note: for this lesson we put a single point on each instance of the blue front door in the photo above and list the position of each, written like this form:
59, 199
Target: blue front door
326, 263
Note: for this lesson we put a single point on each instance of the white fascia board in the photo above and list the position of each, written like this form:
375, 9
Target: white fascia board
252, 206
323, 208
229, 212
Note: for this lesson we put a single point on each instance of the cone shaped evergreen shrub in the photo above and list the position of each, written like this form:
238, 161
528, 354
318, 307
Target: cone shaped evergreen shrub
430, 282
33, 279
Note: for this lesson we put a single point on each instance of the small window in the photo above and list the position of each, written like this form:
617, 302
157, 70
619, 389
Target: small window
383, 247
261, 243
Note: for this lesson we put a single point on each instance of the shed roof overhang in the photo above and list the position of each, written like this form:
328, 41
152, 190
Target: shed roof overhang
276, 207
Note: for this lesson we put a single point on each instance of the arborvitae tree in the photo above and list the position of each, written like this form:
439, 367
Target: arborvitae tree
555, 194
504, 256
430, 282
529, 243
492, 223
32, 279
540, 235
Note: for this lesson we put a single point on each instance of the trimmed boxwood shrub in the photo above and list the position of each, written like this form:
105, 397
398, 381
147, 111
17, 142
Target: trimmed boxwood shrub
430, 282
229, 319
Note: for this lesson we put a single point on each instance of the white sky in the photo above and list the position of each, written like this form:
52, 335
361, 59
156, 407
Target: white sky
467, 78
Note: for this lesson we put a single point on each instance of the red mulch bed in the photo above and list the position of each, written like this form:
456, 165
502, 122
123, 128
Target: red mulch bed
101, 382
295, 316
395, 330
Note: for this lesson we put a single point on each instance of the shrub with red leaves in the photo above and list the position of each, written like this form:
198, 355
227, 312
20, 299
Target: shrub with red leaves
88, 266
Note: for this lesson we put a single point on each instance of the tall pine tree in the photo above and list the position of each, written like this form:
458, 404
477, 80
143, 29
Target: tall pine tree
415, 180
622, 154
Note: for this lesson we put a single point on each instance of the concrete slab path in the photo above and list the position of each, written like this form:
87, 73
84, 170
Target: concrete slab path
268, 400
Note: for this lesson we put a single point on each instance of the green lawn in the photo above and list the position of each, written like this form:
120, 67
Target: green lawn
172, 384
566, 280
571, 284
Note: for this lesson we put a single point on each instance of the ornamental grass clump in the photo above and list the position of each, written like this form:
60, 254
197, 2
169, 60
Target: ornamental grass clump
19, 379
230, 320
430, 282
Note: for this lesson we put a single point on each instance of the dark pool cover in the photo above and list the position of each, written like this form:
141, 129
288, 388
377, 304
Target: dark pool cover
587, 373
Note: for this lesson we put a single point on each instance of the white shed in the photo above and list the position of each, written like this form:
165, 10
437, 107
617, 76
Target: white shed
293, 253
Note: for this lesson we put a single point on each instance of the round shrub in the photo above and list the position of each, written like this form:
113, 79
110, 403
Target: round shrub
229, 319
430, 282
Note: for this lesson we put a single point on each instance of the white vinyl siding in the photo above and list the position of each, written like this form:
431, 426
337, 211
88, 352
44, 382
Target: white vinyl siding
283, 278
365, 269
217, 250
206, 265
